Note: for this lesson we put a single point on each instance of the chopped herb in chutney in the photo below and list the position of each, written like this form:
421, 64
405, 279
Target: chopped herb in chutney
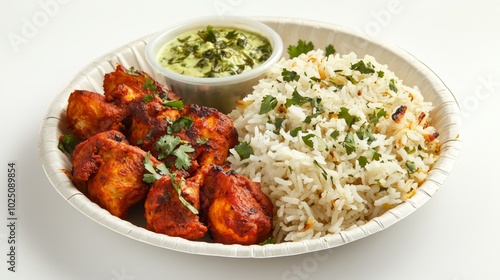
215, 52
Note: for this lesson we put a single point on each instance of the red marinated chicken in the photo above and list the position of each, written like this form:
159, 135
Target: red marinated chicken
111, 170
166, 213
192, 194
234, 208
88, 113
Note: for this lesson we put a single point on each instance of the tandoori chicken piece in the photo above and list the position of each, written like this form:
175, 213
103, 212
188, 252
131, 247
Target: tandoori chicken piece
234, 208
148, 122
166, 213
212, 134
88, 113
139, 80
112, 171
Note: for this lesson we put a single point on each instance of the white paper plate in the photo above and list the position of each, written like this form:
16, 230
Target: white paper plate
446, 118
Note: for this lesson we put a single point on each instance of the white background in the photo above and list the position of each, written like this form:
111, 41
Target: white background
44, 43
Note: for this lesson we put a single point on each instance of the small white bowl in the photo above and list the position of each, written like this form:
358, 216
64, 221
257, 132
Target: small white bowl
220, 92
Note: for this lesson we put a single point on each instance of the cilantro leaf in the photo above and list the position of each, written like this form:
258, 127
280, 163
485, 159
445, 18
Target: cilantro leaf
330, 49
365, 132
412, 168
183, 160
307, 140
278, 124
349, 119
269, 102
289, 76
376, 115
131, 71
335, 134
208, 34
349, 144
392, 85
180, 123
363, 68
269, 240
294, 132
149, 84
244, 150
152, 176
301, 47
362, 160
177, 186
166, 145
67, 143
176, 104
297, 99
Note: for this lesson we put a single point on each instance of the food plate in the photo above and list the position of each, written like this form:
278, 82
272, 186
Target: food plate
446, 118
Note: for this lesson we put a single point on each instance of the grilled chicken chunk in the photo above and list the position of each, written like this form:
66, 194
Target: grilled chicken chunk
88, 113
166, 213
111, 170
234, 207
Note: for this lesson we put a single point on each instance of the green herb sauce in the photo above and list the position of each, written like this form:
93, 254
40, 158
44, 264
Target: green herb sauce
215, 52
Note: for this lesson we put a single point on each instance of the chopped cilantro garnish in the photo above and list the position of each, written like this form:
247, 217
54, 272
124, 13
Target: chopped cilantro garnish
411, 167
323, 171
208, 34
244, 150
177, 187
301, 47
365, 132
278, 123
373, 118
176, 104
172, 145
307, 140
269, 240
201, 141
392, 85
376, 155
335, 134
67, 143
268, 104
183, 160
294, 132
410, 150
289, 76
131, 71
180, 123
349, 144
363, 68
297, 99
349, 119
330, 49
362, 160
153, 175
149, 84
147, 98
156, 172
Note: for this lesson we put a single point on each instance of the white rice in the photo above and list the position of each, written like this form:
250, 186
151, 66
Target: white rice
321, 188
